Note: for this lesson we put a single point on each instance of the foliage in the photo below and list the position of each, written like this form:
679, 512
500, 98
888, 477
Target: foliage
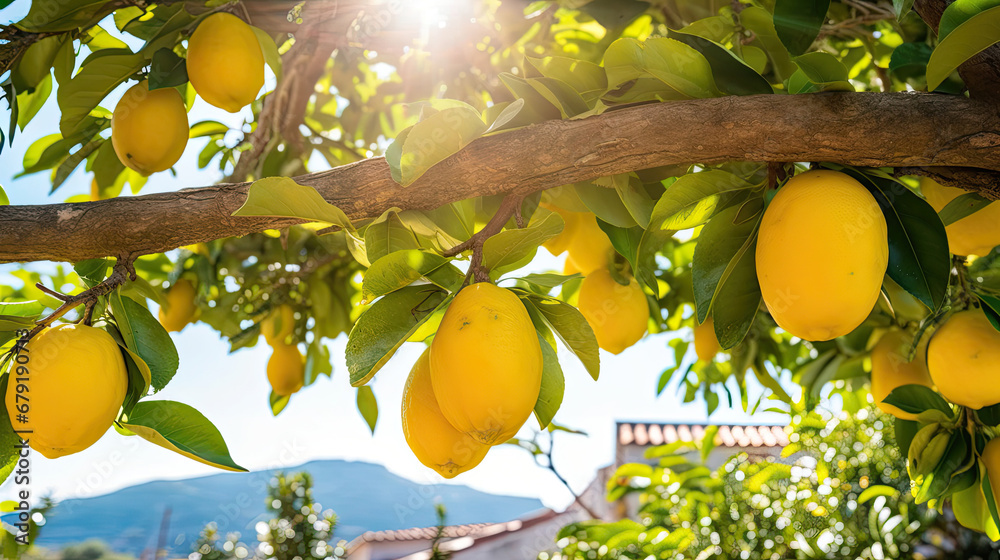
839, 490
10, 546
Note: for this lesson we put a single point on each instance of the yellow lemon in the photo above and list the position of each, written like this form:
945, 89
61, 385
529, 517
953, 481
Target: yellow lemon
890, 369
558, 244
95, 191
964, 360
76, 380
706, 344
180, 308
589, 247
486, 364
149, 129
433, 440
278, 325
975, 234
821, 255
617, 314
285, 370
971, 511
224, 62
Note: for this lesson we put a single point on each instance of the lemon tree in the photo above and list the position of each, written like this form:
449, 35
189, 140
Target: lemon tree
744, 186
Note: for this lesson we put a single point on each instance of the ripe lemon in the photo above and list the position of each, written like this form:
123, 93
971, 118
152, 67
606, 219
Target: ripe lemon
285, 370
821, 255
617, 314
890, 370
486, 364
964, 360
434, 441
706, 344
76, 381
558, 244
180, 308
224, 62
149, 129
975, 234
589, 247
95, 191
278, 325
971, 511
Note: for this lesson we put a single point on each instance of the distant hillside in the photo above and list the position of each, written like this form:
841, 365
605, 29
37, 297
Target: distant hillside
364, 495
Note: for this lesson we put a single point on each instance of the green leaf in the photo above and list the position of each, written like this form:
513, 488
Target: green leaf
386, 325
605, 202
959, 12
546, 282
825, 71
675, 64
962, 206
991, 500
402, 268
724, 271
278, 402
144, 335
553, 385
368, 406
270, 50
910, 56
761, 23
4, 201
283, 197
570, 326
167, 70
435, 138
91, 85
902, 8
586, 78
510, 247
904, 431
28, 104
989, 415
207, 128
182, 429
732, 75
919, 259
692, 199
797, 23
916, 399
36, 63
62, 15
965, 41
388, 234
92, 271
625, 240
8, 439
990, 305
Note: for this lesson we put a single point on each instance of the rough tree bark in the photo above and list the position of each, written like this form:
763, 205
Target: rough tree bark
865, 129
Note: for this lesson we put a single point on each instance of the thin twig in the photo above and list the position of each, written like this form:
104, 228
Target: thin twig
552, 467
509, 206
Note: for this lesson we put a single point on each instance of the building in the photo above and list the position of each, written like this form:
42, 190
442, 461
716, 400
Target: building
523, 539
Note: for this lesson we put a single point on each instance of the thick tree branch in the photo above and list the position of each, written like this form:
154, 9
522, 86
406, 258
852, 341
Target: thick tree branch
864, 129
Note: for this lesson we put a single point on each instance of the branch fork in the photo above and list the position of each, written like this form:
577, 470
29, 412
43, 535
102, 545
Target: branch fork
510, 207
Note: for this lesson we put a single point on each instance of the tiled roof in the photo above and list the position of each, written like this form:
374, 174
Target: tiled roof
427, 533
641, 433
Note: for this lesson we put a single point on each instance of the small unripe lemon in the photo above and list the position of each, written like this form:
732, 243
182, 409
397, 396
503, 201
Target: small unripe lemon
278, 325
975, 234
822, 253
149, 129
285, 370
964, 360
76, 381
224, 62
558, 244
890, 369
706, 344
433, 440
180, 308
486, 364
617, 314
589, 247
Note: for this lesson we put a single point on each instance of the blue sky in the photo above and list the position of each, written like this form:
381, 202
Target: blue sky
322, 422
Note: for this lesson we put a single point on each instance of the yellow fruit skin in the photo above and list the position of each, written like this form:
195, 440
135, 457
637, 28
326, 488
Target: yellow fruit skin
180, 309
486, 364
285, 370
224, 62
617, 314
278, 325
149, 129
433, 440
821, 255
706, 344
890, 370
975, 234
76, 382
589, 247
558, 244
964, 360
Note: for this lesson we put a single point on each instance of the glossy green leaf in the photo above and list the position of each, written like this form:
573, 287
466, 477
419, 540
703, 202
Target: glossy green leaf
368, 406
182, 429
91, 85
692, 199
30, 103
62, 15
625, 240
167, 70
402, 268
675, 64
270, 50
965, 41
436, 138
570, 326
962, 206
605, 203
916, 399
732, 75
990, 305
509, 247
553, 386
959, 12
798, 23
902, 7
825, 71
910, 56
92, 271
283, 197
760, 22
386, 325
388, 234
144, 335
724, 247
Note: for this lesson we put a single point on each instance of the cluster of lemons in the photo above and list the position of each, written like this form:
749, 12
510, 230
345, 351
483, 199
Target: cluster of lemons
225, 65
286, 367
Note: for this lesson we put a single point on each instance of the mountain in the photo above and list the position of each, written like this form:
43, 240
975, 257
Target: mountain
366, 497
